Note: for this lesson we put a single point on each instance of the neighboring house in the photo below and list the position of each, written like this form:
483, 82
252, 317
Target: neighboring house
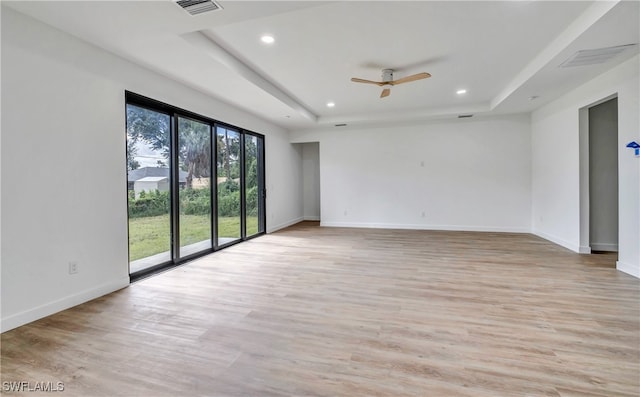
147, 176
150, 184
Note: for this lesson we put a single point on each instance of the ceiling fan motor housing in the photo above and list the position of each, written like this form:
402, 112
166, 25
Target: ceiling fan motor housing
387, 74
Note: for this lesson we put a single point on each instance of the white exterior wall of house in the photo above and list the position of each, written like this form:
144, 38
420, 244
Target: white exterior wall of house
151, 184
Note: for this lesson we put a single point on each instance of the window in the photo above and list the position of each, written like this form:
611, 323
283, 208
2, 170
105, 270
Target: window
229, 192
194, 195
148, 181
254, 184
177, 211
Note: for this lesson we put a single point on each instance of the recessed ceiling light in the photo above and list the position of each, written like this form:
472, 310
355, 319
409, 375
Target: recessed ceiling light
267, 39
330, 104
460, 92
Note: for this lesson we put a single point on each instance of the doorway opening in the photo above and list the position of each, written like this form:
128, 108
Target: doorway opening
311, 180
599, 176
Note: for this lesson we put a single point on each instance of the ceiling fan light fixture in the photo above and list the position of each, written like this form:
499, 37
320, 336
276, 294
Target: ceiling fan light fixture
388, 81
387, 75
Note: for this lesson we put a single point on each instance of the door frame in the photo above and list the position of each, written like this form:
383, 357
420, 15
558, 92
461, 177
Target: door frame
583, 139
175, 112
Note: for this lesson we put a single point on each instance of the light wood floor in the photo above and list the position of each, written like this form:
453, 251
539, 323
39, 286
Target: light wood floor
352, 312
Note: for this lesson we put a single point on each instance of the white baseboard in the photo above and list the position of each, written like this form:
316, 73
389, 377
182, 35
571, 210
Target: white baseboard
464, 228
272, 229
311, 218
566, 244
604, 247
628, 268
584, 249
25, 317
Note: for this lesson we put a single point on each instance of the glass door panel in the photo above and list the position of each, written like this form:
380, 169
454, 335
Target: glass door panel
194, 186
228, 186
253, 185
148, 180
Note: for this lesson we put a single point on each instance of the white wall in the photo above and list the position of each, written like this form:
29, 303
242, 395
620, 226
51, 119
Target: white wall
311, 181
63, 129
456, 174
284, 182
556, 164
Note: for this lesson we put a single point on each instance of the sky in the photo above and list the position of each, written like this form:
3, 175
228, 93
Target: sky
146, 156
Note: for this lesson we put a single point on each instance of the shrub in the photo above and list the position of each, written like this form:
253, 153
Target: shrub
252, 201
194, 202
152, 204
228, 203
228, 186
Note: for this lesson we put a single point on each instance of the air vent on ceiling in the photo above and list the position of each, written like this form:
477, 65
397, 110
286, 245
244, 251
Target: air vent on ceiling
340, 125
592, 57
195, 7
464, 116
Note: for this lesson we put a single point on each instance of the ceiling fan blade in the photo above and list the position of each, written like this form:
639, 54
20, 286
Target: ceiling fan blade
413, 77
385, 93
357, 80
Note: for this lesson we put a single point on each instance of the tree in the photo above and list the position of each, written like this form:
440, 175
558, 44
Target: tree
132, 151
149, 126
252, 173
251, 161
228, 156
154, 128
194, 149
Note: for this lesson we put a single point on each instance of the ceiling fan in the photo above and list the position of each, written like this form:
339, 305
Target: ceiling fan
388, 81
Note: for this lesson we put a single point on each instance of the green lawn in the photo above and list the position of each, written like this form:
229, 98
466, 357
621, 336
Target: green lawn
150, 235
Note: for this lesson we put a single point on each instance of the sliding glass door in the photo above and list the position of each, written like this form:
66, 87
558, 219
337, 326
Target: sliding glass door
254, 184
194, 186
148, 187
229, 211
177, 211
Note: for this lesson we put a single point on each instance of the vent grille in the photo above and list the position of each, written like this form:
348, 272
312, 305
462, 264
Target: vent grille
195, 7
593, 57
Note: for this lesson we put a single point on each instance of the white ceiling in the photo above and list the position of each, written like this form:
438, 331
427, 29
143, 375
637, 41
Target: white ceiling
501, 52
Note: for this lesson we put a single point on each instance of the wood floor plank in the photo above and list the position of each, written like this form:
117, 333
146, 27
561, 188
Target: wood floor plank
311, 311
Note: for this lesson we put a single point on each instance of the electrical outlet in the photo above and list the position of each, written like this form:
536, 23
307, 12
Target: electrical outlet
73, 267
